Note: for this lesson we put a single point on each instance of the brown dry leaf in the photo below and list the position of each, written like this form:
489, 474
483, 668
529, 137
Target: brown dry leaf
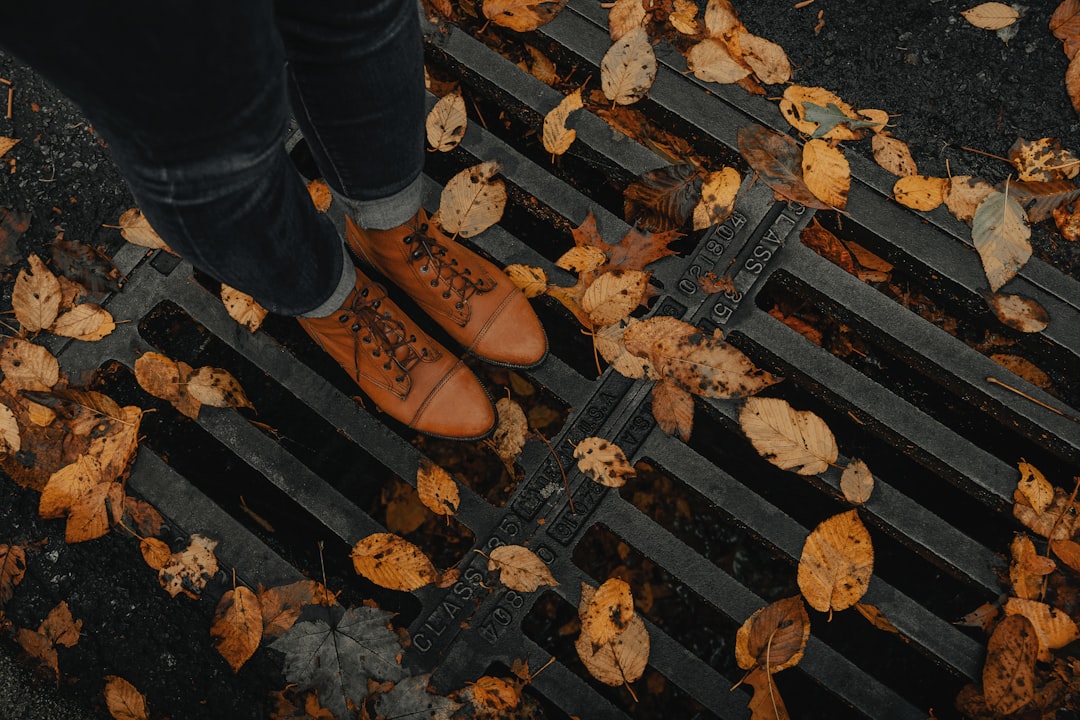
778, 160
217, 388
1065, 25
1054, 628
1000, 232
628, 68
493, 695
964, 194
634, 251
766, 703
39, 647
1040, 199
718, 191
533, 281
238, 626
721, 18
437, 490
663, 199
1025, 584
767, 59
581, 259
920, 192
156, 553
27, 366
991, 15
68, 486
826, 173
1033, 485
607, 613
1022, 367
135, 228
35, 298
184, 401
123, 700
614, 295
711, 61
879, 118
621, 661
158, 375
509, 436
857, 482
1059, 521
1008, 675
876, 617
61, 627
10, 440
393, 562
624, 16
189, 570
893, 155
982, 617
519, 568
796, 440
12, 225
447, 122
6, 144
95, 513
673, 409
472, 201
1043, 160
603, 461
242, 308
793, 106
115, 448
320, 194
774, 637
706, 365
281, 605
683, 17
557, 137
824, 243
836, 564
541, 66
609, 343
1072, 81
1068, 551
522, 15
12, 570
88, 322
1019, 312
142, 517
1067, 220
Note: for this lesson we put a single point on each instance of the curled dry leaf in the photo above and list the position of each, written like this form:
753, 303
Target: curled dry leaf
135, 228
473, 200
603, 461
857, 482
628, 68
27, 366
238, 626
189, 570
321, 196
796, 440
660, 200
12, 570
123, 700
624, 16
718, 191
557, 137
964, 194
673, 409
35, 298
1054, 628
509, 436
608, 611
920, 192
533, 281
393, 562
1000, 232
522, 15
1067, 220
614, 295
1043, 160
1008, 675
1068, 551
519, 568
836, 563
1059, 521
88, 322
437, 490
767, 59
1072, 81
242, 308
1025, 583
582, 259
1019, 312
876, 617
683, 17
609, 343
893, 155
217, 388
774, 637
446, 123
10, 440
1040, 199
821, 240
492, 695
711, 61
826, 173
991, 15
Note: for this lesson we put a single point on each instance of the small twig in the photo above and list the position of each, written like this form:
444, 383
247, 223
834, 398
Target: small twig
981, 152
10, 100
1038, 402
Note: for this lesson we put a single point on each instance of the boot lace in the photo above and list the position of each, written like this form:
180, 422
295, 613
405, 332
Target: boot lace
458, 280
379, 334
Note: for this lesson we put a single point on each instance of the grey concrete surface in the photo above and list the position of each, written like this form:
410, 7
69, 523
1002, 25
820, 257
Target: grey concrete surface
21, 698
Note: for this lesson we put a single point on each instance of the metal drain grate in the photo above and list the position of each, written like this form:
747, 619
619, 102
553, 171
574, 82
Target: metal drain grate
941, 440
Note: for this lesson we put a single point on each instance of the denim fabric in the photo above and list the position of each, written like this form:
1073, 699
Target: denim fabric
192, 97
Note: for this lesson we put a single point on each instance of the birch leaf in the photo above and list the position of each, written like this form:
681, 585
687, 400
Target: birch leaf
683, 17
437, 490
36, 296
857, 482
520, 569
613, 295
920, 192
393, 562
711, 61
533, 281
135, 228
767, 59
624, 16
1054, 628
608, 612
791, 439
242, 308
217, 388
582, 259
673, 409
123, 700
237, 626
522, 15
557, 137
603, 461
836, 563
1008, 675
446, 123
774, 637
826, 172
87, 321
718, 191
28, 366
1000, 233
1019, 312
991, 15
628, 68
964, 194
10, 440
473, 200
893, 155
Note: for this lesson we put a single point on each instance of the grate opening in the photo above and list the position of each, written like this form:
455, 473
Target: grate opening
553, 624
534, 704
905, 373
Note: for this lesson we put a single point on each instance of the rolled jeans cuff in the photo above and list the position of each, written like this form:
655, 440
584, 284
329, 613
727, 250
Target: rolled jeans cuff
387, 212
345, 286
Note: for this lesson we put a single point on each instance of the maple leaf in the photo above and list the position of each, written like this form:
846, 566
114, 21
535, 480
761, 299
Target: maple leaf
633, 252
411, 698
339, 654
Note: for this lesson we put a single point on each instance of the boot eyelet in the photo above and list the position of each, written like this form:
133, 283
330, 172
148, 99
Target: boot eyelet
355, 327
424, 352
376, 353
399, 378
376, 304
343, 317
468, 271
366, 340
412, 338
435, 283
386, 366
423, 227
365, 292
446, 296
423, 268
459, 305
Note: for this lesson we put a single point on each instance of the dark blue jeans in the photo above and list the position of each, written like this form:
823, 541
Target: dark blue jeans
193, 97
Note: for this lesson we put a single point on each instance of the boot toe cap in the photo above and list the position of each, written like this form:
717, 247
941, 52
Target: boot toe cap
457, 408
514, 337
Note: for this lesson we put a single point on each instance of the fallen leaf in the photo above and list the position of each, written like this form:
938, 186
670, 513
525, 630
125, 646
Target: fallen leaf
857, 482
85, 265
721, 18
95, 513
510, 431
628, 68
217, 388
1022, 367
777, 160
1054, 628
826, 173
673, 409
10, 440
1040, 199
446, 123
609, 343
1043, 160
624, 16
392, 562
879, 118
242, 308
766, 703
40, 648
718, 192
876, 617
603, 461
88, 322
1034, 487
796, 440
620, 661
581, 259
711, 61
519, 568
12, 225
35, 298
663, 199
541, 67
774, 637
135, 228
767, 59
6, 144
831, 116
281, 605
533, 281
1000, 232
68, 486
964, 194
796, 100
238, 626
893, 155
1065, 25
12, 570
1008, 675
634, 251
824, 243
836, 563
640, 337
493, 695
437, 490
920, 192
473, 200
982, 617
1059, 521
412, 697
991, 15
557, 137
1067, 220
189, 570
613, 296
1068, 551
522, 15
123, 700
156, 553
706, 365
339, 655
320, 194
1019, 312
1025, 584
114, 446
683, 17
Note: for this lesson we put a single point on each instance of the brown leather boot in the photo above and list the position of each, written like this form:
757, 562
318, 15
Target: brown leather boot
409, 375
468, 296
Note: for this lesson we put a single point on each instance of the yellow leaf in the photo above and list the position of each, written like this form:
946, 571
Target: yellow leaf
189, 570
1034, 486
557, 137
67, 486
620, 661
510, 430
493, 695
437, 490
36, 296
473, 200
533, 281
836, 563
1000, 232
710, 61
1025, 584
1008, 675
10, 440
123, 700
701, 364
603, 461
613, 295
88, 322
217, 388
135, 228
893, 155
609, 343
793, 108
991, 15
628, 68
826, 173
683, 17
721, 18
242, 308
774, 637
519, 568
446, 123
156, 553
718, 191
964, 194
158, 375
767, 59
393, 562
791, 439
673, 409
857, 482
608, 612
6, 144
60, 627
522, 15
920, 192
95, 513
1019, 312
880, 118
238, 626
582, 259
624, 16
1054, 628
1059, 521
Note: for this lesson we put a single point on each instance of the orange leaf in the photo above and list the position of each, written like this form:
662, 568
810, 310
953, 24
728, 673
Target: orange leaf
836, 563
520, 568
1008, 675
35, 298
123, 700
673, 409
393, 562
608, 612
778, 160
12, 570
774, 637
437, 490
238, 626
